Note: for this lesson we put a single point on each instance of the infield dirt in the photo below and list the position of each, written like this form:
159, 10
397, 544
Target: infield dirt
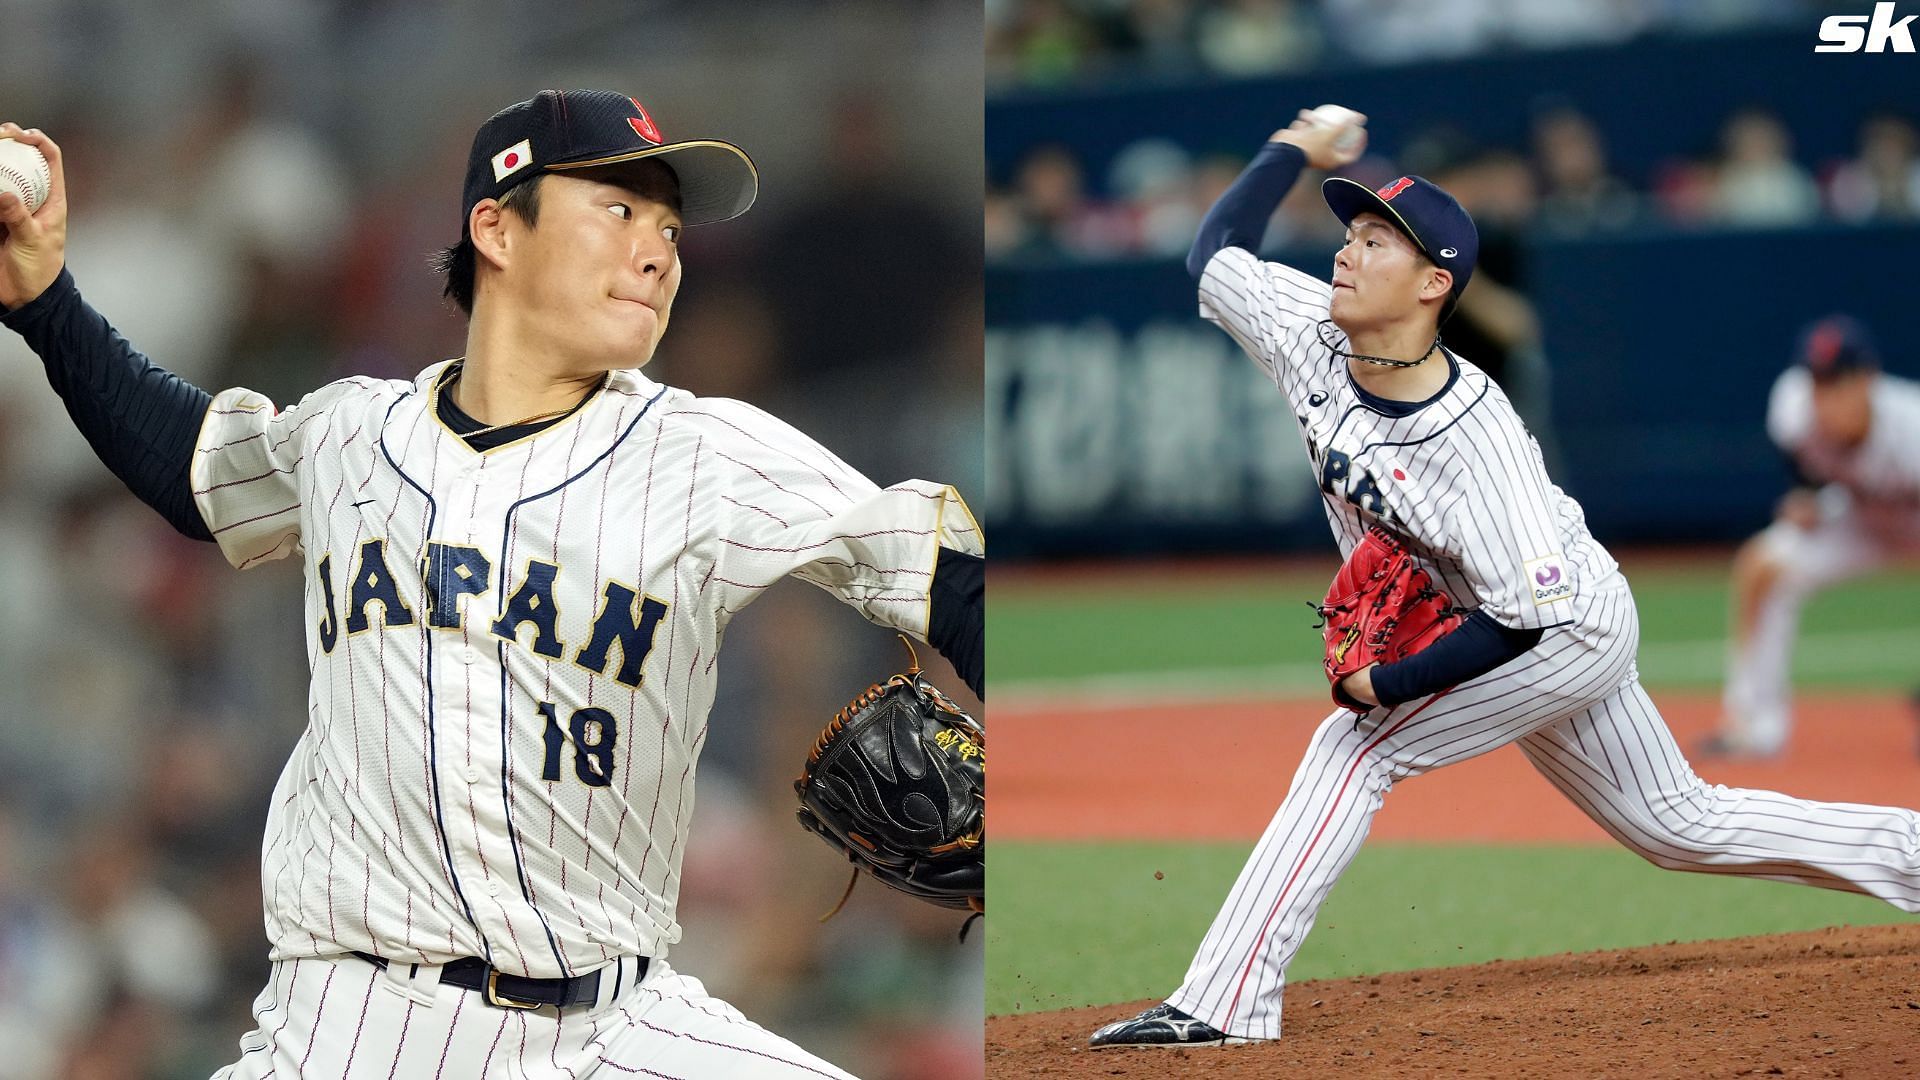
1827, 1003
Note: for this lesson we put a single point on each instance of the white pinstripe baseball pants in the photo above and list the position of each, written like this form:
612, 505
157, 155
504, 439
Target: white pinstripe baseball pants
344, 1017
1575, 706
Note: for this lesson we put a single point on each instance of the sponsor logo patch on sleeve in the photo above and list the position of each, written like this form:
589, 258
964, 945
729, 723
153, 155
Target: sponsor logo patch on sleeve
1548, 578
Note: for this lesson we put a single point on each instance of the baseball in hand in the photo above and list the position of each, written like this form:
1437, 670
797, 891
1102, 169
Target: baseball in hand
24, 172
1351, 140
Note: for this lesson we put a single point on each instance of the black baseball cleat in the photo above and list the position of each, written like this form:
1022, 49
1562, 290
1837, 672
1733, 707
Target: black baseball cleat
1162, 1025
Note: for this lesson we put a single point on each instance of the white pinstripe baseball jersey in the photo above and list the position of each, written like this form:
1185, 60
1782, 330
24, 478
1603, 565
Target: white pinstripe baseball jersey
1459, 476
513, 650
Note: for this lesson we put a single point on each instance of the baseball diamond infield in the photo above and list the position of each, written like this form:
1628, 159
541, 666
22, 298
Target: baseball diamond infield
1834, 1002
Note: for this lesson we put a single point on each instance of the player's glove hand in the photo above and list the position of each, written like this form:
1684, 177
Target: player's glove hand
1380, 608
897, 782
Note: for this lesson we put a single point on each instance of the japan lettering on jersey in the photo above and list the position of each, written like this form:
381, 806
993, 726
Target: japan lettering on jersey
1457, 476
513, 650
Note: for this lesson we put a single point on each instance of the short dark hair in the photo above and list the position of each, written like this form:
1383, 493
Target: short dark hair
457, 262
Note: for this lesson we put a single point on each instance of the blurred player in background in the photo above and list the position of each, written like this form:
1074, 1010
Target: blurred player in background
1852, 436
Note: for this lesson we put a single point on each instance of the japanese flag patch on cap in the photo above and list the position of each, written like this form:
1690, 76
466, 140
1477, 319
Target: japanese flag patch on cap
512, 160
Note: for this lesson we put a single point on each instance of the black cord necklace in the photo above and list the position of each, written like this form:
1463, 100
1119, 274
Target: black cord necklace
1380, 361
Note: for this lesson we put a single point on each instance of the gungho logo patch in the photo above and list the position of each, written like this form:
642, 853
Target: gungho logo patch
1547, 576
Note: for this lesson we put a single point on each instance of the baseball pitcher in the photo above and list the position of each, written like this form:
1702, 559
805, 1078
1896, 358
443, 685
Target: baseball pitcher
519, 567
1475, 609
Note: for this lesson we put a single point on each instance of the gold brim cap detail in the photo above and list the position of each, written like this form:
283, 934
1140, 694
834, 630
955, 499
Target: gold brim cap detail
718, 181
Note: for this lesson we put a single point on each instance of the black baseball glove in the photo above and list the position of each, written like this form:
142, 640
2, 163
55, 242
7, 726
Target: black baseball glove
897, 781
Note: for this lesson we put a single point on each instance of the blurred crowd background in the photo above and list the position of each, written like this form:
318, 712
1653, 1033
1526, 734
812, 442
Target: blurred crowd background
1666, 192
1095, 42
256, 190
1556, 175
1559, 181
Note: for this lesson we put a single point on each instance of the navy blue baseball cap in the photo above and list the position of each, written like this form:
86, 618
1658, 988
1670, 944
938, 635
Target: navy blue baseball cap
1835, 346
1430, 217
562, 130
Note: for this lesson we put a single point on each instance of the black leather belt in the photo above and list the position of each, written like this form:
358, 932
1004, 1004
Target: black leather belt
504, 991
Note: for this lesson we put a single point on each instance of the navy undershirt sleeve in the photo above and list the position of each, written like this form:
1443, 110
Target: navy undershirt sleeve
1239, 218
1475, 647
956, 620
141, 419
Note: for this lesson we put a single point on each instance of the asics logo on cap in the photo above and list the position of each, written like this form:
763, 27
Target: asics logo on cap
1448, 253
1387, 193
643, 124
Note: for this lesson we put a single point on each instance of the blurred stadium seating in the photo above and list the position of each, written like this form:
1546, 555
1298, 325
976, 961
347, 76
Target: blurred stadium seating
1666, 193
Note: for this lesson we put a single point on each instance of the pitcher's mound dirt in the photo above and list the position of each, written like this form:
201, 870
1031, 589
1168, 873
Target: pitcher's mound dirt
1827, 1003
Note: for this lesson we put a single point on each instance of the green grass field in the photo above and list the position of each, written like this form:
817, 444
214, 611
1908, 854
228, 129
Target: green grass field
1088, 923
1258, 632
1079, 924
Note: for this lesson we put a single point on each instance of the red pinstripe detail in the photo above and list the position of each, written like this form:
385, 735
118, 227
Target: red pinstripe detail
294, 431
259, 517
453, 1025
286, 1015
667, 716
502, 1030
546, 688
777, 519
360, 1025
1301, 863
405, 1021
755, 439
236, 442
836, 538
553, 1052
775, 484
263, 556
729, 1046
319, 1011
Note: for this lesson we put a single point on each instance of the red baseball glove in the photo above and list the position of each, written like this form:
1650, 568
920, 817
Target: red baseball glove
1380, 608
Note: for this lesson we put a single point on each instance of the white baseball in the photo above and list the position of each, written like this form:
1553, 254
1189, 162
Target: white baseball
1355, 135
23, 171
